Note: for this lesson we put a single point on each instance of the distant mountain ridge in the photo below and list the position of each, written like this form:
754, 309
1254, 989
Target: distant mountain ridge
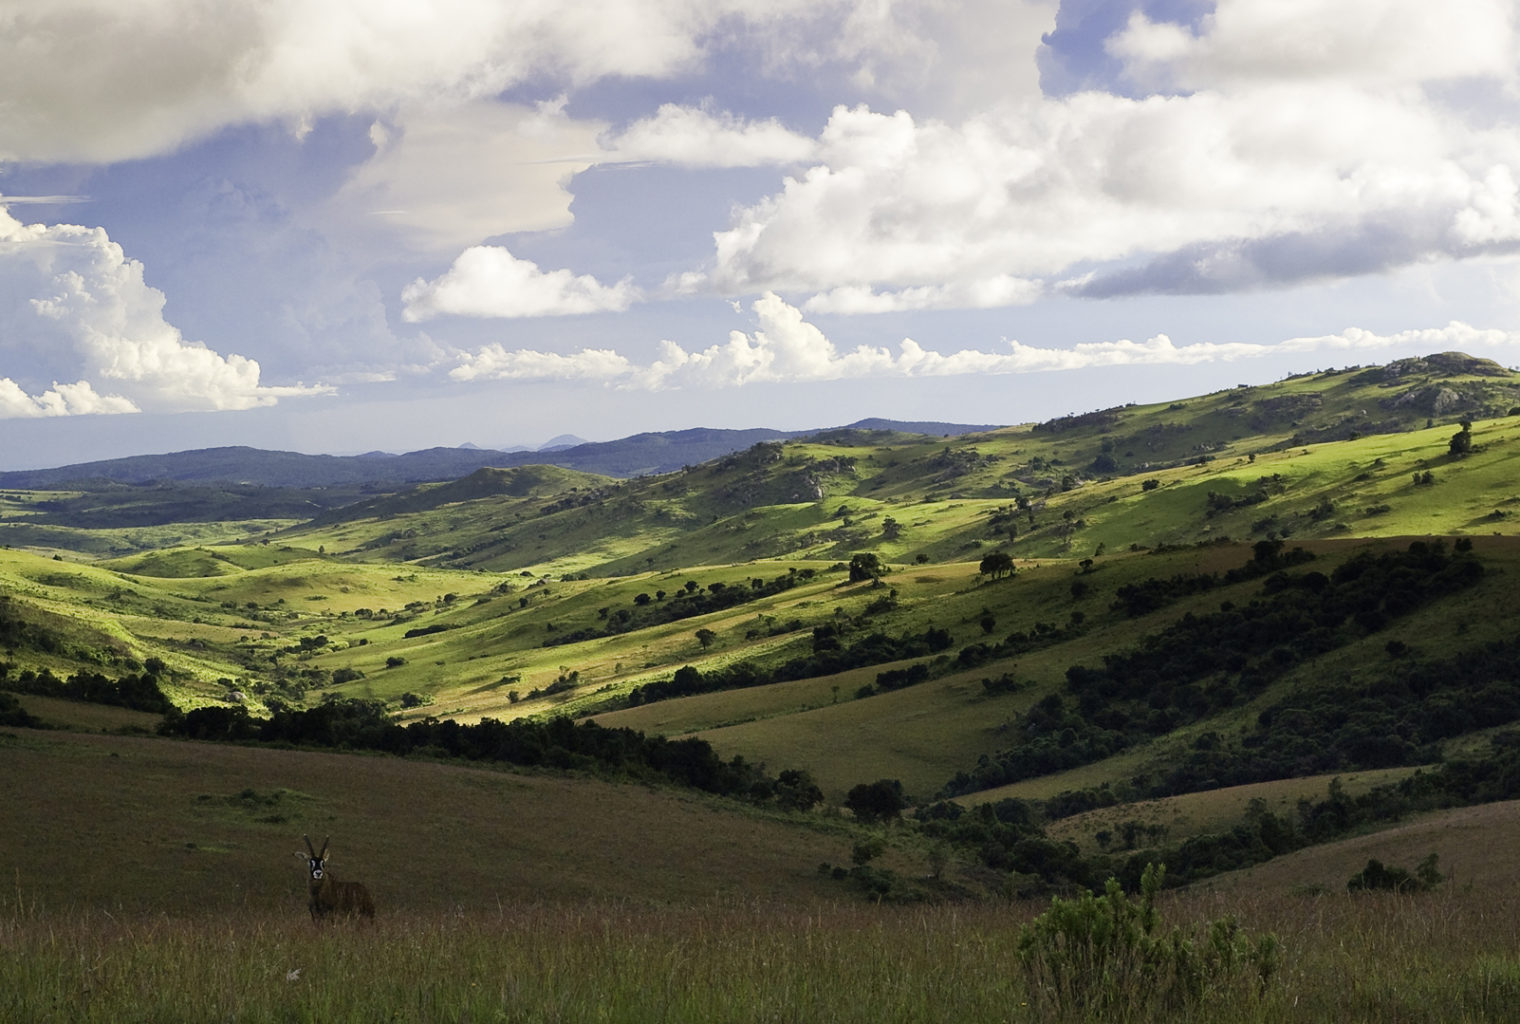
637, 455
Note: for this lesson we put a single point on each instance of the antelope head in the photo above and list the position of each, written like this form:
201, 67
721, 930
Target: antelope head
316, 864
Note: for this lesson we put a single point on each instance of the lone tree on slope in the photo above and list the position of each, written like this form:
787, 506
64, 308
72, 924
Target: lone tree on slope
997, 565
866, 566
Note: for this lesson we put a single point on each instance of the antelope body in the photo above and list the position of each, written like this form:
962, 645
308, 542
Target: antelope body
330, 896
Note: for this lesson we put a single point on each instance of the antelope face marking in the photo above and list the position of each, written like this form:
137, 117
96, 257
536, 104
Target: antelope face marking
314, 865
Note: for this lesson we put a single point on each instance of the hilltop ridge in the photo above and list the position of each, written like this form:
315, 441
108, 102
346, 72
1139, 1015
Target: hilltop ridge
638, 454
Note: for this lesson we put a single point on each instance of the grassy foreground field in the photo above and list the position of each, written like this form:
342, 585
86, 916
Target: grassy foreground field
153, 880
139, 825
1436, 958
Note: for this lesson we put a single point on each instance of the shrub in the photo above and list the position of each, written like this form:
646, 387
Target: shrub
882, 800
1108, 958
1376, 875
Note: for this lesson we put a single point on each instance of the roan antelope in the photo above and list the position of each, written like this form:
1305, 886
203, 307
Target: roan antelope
330, 896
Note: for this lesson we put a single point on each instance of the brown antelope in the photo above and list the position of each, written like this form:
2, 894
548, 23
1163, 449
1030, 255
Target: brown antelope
330, 896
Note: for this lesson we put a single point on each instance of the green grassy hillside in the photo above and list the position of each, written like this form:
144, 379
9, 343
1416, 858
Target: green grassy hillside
843, 604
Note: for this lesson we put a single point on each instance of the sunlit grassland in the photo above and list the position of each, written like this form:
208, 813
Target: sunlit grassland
22, 526
924, 734
482, 642
316, 585
269, 609
1447, 957
224, 627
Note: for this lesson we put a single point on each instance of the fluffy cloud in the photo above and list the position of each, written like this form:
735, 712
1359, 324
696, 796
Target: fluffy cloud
72, 303
99, 80
1101, 179
1372, 43
785, 348
494, 362
1324, 158
75, 399
695, 137
488, 281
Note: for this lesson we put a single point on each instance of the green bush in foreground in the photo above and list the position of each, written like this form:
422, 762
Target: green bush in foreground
1107, 958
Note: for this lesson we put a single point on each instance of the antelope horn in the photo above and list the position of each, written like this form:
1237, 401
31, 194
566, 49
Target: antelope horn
308, 847
323, 854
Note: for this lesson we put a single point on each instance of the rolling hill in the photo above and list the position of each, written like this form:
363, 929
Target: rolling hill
654, 452
1027, 623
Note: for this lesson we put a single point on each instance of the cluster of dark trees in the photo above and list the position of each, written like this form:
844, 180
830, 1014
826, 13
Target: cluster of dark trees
1467, 781
1347, 726
1154, 593
12, 713
1203, 664
1009, 835
830, 654
1043, 634
556, 743
138, 692
685, 603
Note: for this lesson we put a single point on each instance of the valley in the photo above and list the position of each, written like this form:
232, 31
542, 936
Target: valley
1255, 635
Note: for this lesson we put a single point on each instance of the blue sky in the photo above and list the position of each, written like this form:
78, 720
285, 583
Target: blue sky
349, 225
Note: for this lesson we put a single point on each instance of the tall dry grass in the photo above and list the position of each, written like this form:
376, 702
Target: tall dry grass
1441, 957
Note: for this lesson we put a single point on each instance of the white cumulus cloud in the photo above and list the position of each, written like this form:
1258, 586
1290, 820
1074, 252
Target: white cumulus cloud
495, 362
488, 281
786, 348
1285, 142
1199, 193
103, 80
77, 399
72, 304
1371, 43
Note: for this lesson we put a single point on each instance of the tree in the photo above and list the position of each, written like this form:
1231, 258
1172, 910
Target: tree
796, 790
997, 565
705, 637
1461, 441
882, 800
866, 566
891, 529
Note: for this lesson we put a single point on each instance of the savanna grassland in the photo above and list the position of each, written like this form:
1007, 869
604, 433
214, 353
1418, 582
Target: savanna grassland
1380, 958
814, 730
